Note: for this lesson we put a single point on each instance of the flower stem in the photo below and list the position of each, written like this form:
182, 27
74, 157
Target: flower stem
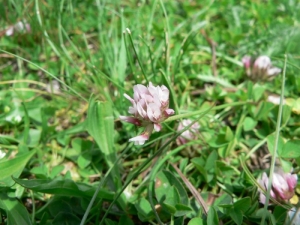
274, 155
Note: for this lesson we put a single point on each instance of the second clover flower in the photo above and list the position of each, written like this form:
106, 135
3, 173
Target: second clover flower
260, 68
282, 188
150, 107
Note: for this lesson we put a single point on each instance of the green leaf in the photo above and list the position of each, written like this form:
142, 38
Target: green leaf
56, 170
172, 196
100, 125
211, 160
243, 204
16, 212
236, 215
109, 222
34, 137
280, 215
167, 180
170, 208
172, 203
249, 124
182, 210
212, 217
229, 134
196, 221
84, 159
63, 187
198, 162
258, 92
286, 165
218, 141
40, 171
222, 139
145, 212
291, 149
125, 220
263, 110
13, 167
286, 114
224, 170
7, 140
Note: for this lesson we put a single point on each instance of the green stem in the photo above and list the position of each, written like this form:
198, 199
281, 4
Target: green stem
195, 113
99, 187
274, 155
137, 56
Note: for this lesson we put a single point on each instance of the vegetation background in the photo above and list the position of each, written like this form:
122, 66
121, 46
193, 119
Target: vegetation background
65, 156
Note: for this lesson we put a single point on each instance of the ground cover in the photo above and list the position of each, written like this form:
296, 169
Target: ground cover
148, 112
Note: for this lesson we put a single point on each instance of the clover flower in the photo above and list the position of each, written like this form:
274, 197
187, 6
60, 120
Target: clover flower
150, 107
189, 134
19, 27
260, 69
282, 188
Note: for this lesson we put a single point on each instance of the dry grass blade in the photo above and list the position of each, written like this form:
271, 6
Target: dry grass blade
193, 190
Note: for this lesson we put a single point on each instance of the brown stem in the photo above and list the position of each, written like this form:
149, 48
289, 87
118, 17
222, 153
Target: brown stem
193, 190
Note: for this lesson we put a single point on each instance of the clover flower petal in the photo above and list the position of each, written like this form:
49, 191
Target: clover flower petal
260, 68
283, 185
150, 107
189, 134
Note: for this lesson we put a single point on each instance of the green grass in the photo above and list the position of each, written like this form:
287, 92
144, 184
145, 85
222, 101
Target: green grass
67, 156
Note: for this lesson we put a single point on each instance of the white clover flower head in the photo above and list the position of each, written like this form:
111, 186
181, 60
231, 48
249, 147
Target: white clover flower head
189, 134
283, 185
260, 69
150, 107
262, 62
19, 27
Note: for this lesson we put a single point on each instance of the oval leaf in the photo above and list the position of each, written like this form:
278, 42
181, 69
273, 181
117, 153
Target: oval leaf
291, 149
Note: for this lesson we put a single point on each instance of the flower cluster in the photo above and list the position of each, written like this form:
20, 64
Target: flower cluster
282, 188
189, 134
19, 27
150, 107
260, 69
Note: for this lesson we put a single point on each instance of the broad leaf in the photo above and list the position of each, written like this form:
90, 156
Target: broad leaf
196, 221
100, 125
291, 149
243, 204
63, 187
13, 167
166, 180
16, 212
144, 209
212, 217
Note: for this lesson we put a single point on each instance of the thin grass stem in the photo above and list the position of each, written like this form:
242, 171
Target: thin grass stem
137, 56
275, 150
